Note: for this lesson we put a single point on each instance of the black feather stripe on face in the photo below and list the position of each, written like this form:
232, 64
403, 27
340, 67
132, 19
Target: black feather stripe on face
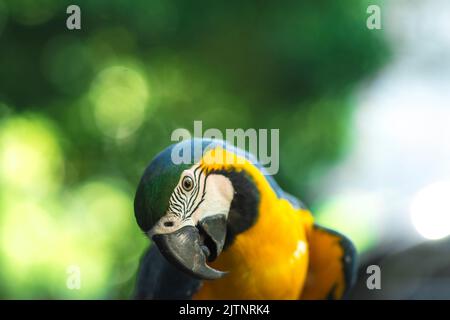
202, 172
197, 186
184, 203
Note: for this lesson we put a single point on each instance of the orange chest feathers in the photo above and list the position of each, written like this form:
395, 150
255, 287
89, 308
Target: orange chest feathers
268, 261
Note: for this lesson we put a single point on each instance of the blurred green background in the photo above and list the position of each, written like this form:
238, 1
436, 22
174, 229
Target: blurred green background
84, 111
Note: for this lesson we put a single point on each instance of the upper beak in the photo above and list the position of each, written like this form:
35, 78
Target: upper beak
189, 247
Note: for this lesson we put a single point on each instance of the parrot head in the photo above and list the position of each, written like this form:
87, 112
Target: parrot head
192, 211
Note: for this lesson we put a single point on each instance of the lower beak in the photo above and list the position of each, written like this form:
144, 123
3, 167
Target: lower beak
187, 250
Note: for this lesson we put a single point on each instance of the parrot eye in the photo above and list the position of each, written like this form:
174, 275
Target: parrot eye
187, 183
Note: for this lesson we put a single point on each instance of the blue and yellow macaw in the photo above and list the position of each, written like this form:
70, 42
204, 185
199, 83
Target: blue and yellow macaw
223, 229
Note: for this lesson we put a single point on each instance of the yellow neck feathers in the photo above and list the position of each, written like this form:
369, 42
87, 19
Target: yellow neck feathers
270, 259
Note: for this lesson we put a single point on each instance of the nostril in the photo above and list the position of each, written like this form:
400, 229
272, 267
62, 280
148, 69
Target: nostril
168, 224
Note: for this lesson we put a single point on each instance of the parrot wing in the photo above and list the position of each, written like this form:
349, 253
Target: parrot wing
332, 265
158, 279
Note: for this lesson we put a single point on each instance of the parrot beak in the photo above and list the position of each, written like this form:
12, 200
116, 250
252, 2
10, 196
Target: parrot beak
190, 247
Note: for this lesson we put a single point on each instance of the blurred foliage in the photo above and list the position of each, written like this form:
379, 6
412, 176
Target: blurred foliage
83, 112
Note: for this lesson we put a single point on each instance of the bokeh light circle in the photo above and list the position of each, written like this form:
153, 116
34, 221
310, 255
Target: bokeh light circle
120, 96
430, 211
30, 156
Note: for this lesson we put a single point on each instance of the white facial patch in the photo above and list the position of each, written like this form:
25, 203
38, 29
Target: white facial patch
218, 197
188, 194
195, 197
